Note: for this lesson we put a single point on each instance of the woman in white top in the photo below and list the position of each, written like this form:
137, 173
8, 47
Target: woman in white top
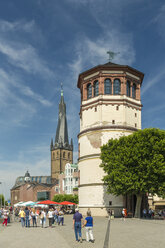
50, 217
43, 217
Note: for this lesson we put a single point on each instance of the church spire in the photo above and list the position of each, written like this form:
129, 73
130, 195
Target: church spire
61, 139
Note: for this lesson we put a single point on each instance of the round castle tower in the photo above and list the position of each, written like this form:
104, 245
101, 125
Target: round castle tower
110, 108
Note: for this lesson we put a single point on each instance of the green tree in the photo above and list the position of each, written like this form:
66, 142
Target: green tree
61, 198
135, 164
1, 200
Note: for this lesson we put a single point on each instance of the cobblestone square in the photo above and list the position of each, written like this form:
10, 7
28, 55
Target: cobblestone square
131, 233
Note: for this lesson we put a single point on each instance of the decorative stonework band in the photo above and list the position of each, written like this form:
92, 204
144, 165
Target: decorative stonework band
113, 100
91, 184
96, 155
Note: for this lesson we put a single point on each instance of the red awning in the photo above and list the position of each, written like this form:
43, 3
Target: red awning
48, 202
67, 203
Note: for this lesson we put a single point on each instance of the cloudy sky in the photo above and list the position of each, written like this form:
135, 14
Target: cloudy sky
46, 42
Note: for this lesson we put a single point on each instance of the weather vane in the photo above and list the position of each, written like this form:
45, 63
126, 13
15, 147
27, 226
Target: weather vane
111, 55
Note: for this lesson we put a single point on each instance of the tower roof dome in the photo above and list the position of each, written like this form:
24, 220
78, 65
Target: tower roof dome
27, 174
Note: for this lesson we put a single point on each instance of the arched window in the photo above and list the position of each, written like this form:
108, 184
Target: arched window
89, 91
116, 87
63, 154
107, 86
134, 91
96, 88
128, 88
68, 155
53, 155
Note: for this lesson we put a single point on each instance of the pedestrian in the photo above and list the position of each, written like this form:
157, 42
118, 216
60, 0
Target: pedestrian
43, 217
61, 217
89, 227
50, 217
27, 217
34, 217
5, 217
144, 213
56, 214
124, 213
77, 217
22, 216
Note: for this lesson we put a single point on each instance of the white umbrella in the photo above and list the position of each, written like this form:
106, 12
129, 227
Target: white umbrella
18, 204
24, 204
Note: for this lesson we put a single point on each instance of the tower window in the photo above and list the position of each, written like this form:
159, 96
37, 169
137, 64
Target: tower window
96, 88
53, 155
117, 107
135, 124
134, 91
135, 114
89, 91
128, 89
95, 109
57, 154
116, 87
68, 155
107, 86
113, 121
63, 154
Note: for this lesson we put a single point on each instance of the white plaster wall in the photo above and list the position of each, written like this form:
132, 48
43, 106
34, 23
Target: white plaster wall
90, 171
107, 112
95, 196
89, 140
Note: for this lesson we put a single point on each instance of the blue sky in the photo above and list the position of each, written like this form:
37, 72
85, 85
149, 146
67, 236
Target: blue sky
46, 42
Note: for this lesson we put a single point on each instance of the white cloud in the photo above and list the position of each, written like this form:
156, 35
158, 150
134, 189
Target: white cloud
92, 52
6, 26
153, 80
159, 20
15, 109
25, 57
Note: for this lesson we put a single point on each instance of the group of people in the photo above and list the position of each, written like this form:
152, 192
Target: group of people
28, 215
32, 216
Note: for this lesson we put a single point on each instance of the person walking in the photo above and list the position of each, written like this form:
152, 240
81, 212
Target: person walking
5, 217
43, 217
27, 217
89, 227
22, 216
56, 214
34, 217
77, 217
50, 217
61, 217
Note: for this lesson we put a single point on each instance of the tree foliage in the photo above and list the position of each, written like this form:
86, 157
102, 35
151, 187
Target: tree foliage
135, 164
61, 198
2, 200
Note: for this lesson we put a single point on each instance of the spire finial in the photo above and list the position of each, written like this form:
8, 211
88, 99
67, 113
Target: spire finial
61, 89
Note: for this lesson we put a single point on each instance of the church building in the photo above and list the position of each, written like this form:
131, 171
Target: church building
110, 108
61, 150
36, 188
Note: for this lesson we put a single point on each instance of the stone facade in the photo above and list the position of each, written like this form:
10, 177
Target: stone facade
104, 116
